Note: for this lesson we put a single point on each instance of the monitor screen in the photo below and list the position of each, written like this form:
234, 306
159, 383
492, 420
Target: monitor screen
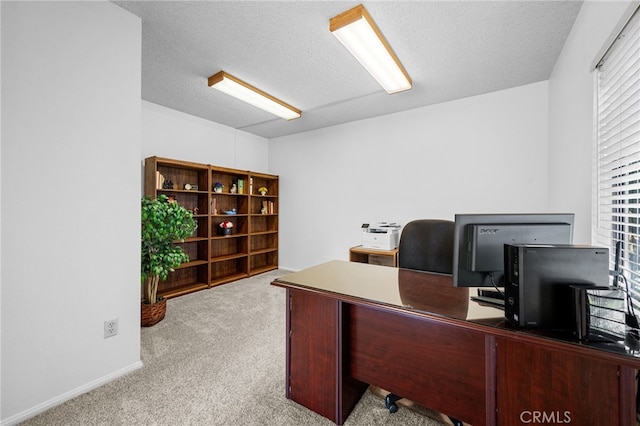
479, 239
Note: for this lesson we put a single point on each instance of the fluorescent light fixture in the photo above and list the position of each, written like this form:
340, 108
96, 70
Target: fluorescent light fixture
357, 31
237, 88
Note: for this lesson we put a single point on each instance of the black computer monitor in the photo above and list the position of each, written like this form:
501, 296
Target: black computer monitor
479, 239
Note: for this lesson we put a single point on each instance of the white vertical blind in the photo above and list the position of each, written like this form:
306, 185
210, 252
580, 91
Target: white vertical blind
618, 152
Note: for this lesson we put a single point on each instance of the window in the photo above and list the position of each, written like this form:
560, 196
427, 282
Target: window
617, 201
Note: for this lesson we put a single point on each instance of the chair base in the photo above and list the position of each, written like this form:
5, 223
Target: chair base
390, 401
394, 402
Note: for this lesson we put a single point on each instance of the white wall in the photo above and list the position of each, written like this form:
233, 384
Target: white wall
173, 134
571, 107
70, 200
481, 154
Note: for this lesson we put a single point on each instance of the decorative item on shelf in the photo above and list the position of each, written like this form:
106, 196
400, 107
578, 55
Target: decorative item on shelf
162, 223
159, 180
233, 188
195, 210
232, 211
268, 207
218, 187
191, 186
225, 227
167, 184
214, 205
262, 190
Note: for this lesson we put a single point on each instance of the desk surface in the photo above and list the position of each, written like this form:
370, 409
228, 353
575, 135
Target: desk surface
422, 293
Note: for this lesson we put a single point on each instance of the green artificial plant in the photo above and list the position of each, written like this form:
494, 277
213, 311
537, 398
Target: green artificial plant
163, 222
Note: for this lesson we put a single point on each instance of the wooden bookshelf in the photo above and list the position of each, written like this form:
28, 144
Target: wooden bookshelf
263, 222
252, 246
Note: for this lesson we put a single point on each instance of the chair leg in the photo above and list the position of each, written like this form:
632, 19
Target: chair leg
390, 402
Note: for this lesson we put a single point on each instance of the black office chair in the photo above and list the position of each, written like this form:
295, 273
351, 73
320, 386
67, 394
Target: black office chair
425, 245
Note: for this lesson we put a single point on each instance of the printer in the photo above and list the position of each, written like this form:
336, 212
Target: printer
380, 236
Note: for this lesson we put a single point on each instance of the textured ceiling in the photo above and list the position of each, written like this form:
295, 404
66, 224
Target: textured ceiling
451, 49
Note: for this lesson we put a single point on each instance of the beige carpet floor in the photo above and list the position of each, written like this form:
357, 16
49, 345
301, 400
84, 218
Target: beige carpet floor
218, 358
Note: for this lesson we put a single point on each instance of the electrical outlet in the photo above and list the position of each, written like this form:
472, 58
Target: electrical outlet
110, 328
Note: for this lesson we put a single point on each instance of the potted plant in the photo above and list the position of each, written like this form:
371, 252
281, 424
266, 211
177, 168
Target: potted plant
218, 187
163, 222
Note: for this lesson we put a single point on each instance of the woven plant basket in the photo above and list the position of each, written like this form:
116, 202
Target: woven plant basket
152, 314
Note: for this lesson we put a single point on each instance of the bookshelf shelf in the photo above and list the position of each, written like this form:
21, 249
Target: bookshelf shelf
258, 270
192, 240
186, 289
251, 249
264, 233
193, 263
263, 251
224, 258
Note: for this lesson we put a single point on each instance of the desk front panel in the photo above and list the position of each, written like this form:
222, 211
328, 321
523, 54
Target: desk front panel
540, 384
440, 366
313, 352
315, 356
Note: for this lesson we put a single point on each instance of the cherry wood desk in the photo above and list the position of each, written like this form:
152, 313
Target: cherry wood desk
350, 325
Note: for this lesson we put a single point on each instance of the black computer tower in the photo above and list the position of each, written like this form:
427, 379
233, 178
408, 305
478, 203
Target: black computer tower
538, 279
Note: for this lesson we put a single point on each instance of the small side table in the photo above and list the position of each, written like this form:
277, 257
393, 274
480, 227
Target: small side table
373, 256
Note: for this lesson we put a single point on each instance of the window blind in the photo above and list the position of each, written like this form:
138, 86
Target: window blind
617, 202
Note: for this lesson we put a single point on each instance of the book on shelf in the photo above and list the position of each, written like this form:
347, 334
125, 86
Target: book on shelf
240, 186
159, 180
268, 207
214, 205
251, 185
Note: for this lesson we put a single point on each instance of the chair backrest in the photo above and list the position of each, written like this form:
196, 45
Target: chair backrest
427, 245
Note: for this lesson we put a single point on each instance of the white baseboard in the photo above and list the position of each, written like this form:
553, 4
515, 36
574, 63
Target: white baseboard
41, 408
